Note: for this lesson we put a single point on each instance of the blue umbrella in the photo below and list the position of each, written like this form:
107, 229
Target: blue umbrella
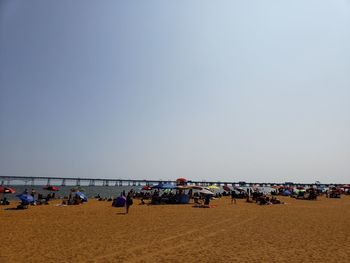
286, 193
81, 196
25, 198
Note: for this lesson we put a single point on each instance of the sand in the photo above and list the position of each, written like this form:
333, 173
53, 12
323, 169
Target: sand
299, 231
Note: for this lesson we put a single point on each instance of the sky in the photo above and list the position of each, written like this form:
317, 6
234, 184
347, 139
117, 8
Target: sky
254, 91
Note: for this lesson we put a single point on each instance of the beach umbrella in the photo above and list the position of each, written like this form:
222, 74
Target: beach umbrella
213, 187
181, 181
25, 198
206, 192
146, 188
226, 188
82, 196
7, 190
51, 188
286, 193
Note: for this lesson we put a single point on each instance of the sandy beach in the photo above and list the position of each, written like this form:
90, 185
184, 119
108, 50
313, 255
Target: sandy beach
299, 231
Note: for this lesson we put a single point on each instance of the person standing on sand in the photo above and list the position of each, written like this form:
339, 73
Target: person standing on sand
233, 197
128, 202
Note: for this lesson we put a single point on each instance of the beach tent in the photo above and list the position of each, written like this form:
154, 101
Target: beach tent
119, 201
82, 196
286, 192
26, 199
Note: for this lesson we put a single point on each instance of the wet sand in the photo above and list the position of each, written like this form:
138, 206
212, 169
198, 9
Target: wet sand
299, 231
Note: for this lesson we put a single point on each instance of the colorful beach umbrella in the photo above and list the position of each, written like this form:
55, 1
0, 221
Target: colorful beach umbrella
51, 188
146, 188
181, 181
226, 188
7, 190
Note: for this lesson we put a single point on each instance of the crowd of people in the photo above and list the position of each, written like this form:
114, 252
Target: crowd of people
181, 196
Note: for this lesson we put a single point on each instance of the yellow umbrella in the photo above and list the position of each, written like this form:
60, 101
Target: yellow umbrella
213, 187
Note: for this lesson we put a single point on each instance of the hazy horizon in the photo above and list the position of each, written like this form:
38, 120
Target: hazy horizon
252, 91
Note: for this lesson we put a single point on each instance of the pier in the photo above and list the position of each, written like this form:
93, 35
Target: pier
76, 181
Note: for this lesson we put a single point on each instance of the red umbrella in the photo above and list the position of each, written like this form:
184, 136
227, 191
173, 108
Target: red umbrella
146, 188
181, 181
7, 190
51, 188
226, 188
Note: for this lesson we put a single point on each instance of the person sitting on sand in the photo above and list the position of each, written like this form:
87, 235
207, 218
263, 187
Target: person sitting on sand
142, 202
207, 200
4, 201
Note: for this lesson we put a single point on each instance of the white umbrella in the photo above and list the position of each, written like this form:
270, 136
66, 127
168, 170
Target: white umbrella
206, 192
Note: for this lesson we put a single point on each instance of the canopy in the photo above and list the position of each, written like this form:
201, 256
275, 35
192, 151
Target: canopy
7, 190
51, 188
213, 187
25, 198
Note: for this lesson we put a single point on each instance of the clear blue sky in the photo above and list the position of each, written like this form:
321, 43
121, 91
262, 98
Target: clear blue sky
225, 90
